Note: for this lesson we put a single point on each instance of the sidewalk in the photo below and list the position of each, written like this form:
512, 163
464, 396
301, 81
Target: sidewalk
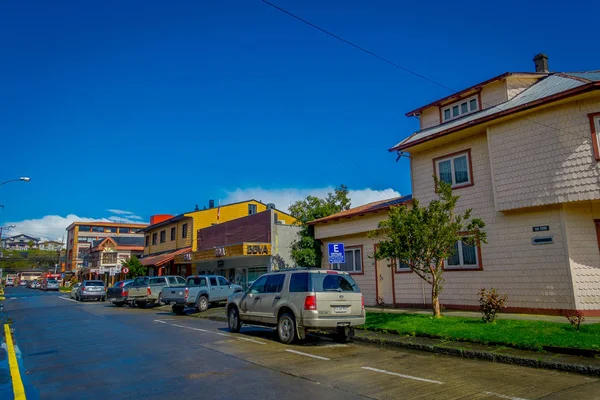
476, 314
561, 362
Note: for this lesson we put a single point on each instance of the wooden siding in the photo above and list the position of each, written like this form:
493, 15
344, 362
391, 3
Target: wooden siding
253, 228
178, 243
430, 117
349, 226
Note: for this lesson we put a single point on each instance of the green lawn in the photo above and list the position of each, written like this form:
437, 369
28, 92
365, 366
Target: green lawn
521, 334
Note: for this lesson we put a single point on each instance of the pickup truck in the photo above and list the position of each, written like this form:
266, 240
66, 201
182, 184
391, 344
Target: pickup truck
147, 290
199, 291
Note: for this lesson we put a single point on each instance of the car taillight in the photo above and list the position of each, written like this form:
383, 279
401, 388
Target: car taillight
125, 292
362, 302
186, 294
83, 288
310, 303
148, 291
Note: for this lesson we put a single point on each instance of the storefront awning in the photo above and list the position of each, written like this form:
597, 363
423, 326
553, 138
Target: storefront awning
163, 258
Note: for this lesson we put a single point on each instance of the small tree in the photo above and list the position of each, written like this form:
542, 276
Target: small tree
424, 237
135, 267
306, 251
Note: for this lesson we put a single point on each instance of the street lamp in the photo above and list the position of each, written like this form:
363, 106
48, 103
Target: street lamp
23, 178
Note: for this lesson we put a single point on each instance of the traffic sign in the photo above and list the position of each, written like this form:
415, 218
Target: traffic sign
62, 276
125, 270
336, 253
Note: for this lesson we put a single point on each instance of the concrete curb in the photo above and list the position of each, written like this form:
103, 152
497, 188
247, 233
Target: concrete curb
534, 360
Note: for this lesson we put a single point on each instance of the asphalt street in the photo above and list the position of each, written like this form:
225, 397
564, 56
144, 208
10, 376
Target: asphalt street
93, 350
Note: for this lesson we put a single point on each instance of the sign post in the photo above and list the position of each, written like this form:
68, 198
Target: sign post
336, 253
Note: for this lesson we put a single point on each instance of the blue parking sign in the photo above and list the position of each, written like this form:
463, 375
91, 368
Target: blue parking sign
336, 253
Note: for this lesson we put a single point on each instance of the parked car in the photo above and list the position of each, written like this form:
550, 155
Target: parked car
91, 290
119, 292
147, 290
10, 281
199, 291
23, 283
74, 289
296, 301
50, 284
29, 284
36, 284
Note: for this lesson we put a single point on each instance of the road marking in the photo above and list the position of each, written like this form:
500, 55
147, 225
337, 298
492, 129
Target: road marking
416, 378
307, 355
503, 396
66, 298
158, 320
15, 374
215, 333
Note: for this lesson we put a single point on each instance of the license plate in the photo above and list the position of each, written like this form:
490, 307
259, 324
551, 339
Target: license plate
340, 309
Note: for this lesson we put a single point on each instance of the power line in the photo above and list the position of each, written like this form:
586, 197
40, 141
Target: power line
381, 58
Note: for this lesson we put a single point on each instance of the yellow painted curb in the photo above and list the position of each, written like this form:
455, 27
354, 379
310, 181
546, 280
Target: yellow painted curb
15, 374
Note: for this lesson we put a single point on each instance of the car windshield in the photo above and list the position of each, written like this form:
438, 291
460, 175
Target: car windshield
333, 283
52, 281
94, 284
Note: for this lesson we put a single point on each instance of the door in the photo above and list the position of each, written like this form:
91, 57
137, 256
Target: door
215, 289
267, 304
224, 288
385, 284
250, 303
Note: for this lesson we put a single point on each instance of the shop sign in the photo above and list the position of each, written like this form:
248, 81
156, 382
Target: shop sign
187, 257
257, 249
220, 252
542, 228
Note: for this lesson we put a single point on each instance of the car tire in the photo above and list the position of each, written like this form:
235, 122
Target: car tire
141, 304
159, 300
104, 299
286, 328
202, 304
233, 320
178, 309
341, 336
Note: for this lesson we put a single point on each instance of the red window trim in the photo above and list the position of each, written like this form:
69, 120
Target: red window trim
362, 259
594, 135
472, 179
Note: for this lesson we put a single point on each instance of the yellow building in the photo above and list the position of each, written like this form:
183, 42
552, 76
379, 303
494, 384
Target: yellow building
169, 236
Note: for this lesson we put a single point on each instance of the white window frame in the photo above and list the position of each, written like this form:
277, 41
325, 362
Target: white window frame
597, 133
451, 158
397, 266
459, 103
462, 265
354, 270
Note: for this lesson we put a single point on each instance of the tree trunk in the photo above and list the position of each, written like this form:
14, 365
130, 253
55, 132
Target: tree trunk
435, 301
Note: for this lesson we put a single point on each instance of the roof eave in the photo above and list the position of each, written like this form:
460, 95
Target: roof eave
559, 96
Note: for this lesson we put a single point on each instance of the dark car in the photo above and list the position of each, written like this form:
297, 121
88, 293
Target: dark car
119, 292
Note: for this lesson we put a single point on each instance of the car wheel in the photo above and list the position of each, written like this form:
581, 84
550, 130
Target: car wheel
141, 304
159, 300
233, 320
202, 304
342, 334
104, 299
286, 329
178, 310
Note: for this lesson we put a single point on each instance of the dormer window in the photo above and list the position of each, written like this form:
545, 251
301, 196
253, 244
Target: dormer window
460, 108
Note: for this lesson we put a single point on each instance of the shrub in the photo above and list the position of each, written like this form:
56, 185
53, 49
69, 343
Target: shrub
490, 304
575, 319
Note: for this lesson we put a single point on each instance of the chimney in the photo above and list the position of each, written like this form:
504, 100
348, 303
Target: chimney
211, 204
541, 63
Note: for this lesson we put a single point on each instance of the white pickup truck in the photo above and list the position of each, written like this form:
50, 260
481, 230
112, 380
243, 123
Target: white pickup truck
147, 289
199, 291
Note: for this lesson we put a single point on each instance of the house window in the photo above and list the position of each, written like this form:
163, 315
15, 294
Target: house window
353, 261
124, 230
251, 209
110, 229
173, 233
463, 107
465, 256
154, 238
595, 126
455, 169
401, 266
163, 236
98, 229
147, 241
84, 228
184, 231
109, 258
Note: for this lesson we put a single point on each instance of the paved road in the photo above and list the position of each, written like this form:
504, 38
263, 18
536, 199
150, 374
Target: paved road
70, 350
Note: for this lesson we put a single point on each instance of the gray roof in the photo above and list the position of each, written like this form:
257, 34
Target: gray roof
545, 87
122, 241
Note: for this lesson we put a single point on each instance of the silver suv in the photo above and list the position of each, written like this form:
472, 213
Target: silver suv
296, 301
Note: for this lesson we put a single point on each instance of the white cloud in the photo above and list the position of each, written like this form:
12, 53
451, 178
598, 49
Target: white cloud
283, 198
51, 227
128, 219
119, 212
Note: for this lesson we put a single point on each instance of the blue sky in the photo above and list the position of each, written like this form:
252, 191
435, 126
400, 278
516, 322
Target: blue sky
153, 107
